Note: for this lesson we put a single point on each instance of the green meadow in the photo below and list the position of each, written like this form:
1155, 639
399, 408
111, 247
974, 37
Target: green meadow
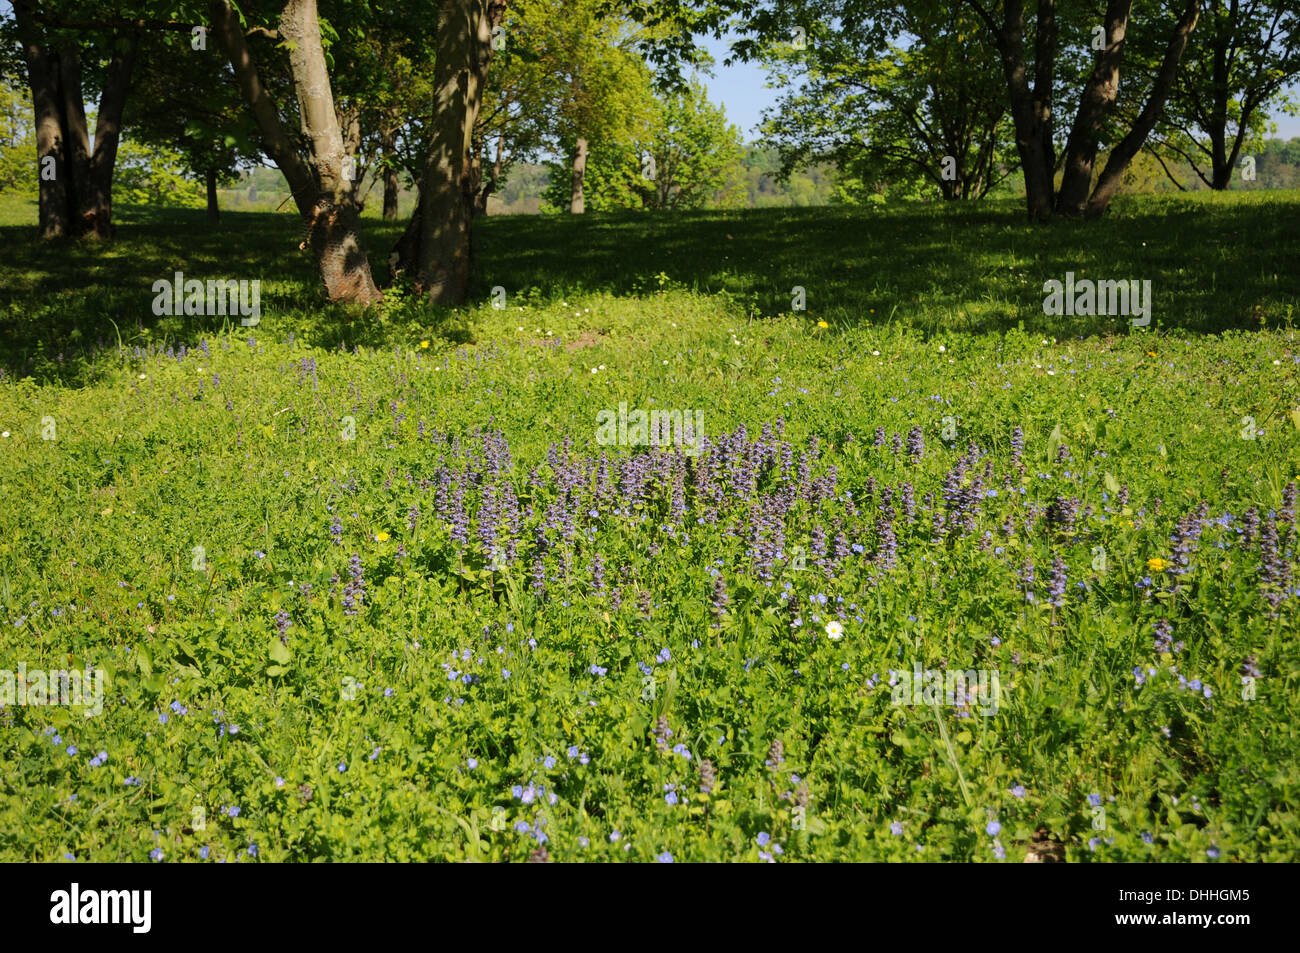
946, 577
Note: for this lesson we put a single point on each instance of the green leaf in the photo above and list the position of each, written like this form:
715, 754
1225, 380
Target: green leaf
279, 652
1111, 483
1053, 443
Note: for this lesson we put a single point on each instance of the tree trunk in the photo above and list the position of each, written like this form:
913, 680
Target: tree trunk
324, 198
1097, 101
1127, 148
43, 78
577, 200
388, 145
108, 129
214, 213
1031, 109
442, 251
76, 143
333, 225
75, 195
487, 188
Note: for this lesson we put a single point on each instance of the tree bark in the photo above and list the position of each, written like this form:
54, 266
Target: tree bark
577, 200
388, 144
214, 213
323, 197
108, 132
1031, 107
333, 225
439, 255
43, 78
75, 197
1127, 148
1097, 101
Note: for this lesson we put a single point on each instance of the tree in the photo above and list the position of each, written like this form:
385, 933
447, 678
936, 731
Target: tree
690, 158
314, 164
1246, 54
931, 110
17, 146
75, 184
1031, 83
185, 104
435, 247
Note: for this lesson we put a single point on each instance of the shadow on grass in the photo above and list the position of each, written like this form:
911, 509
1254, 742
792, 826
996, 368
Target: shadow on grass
1216, 262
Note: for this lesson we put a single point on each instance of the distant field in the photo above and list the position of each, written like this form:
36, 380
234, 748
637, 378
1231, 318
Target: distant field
371, 586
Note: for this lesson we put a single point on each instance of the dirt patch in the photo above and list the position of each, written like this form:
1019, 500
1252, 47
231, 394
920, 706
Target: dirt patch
587, 338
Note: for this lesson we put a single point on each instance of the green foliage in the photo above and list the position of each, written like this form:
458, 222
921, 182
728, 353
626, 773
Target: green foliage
17, 140
154, 175
870, 100
691, 158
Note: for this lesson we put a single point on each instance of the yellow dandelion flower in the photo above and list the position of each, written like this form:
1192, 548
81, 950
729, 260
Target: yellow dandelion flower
381, 537
822, 324
1158, 564
424, 344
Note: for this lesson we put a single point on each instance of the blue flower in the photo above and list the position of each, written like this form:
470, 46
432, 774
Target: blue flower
992, 828
1212, 853
1094, 800
156, 854
896, 828
72, 750
763, 838
614, 835
1018, 791
472, 763
343, 766
665, 858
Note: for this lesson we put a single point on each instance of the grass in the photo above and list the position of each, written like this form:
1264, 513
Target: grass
168, 532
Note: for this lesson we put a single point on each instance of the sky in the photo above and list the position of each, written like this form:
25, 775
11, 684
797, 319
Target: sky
742, 90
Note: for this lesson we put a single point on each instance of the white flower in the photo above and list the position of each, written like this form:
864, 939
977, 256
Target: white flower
5, 434
834, 631
593, 370
942, 349
875, 354
144, 377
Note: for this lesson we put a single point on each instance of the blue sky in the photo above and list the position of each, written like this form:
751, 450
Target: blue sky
742, 90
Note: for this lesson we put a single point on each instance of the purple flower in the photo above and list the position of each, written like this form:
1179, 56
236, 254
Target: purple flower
1057, 582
